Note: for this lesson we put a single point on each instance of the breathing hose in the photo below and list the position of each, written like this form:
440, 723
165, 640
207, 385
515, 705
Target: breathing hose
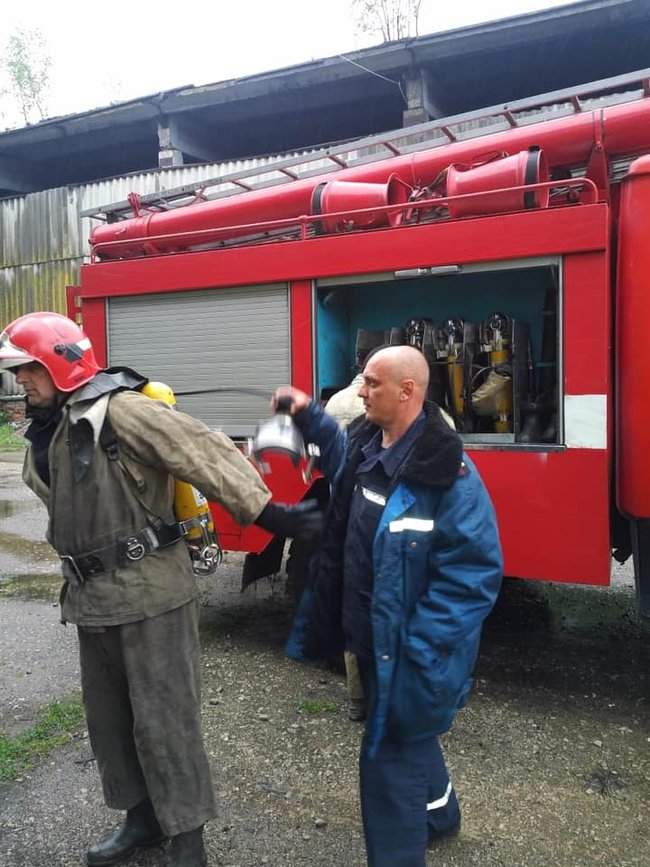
256, 392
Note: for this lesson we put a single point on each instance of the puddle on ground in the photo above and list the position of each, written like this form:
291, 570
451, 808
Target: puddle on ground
27, 586
18, 546
15, 507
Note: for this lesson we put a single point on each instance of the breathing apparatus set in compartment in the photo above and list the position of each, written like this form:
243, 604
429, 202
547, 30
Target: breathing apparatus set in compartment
493, 397
190, 506
482, 375
502, 377
456, 342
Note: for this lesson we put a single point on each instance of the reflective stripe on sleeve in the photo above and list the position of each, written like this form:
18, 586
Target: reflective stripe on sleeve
441, 802
373, 496
423, 525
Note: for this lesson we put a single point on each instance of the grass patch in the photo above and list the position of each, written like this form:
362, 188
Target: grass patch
9, 442
56, 724
317, 706
45, 587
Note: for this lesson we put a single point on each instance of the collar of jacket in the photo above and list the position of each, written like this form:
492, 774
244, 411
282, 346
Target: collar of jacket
112, 379
87, 408
435, 459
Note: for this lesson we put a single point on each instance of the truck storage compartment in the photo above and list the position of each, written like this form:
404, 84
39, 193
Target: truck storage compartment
490, 333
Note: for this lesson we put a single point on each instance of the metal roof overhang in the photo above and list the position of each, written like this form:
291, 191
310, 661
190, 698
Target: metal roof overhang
516, 56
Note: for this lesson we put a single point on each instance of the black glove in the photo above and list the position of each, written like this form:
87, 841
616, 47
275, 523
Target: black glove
302, 521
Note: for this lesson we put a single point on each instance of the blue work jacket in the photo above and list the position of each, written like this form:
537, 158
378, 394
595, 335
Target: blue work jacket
437, 571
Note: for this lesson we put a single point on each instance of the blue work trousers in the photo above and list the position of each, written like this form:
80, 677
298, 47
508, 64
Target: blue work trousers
407, 799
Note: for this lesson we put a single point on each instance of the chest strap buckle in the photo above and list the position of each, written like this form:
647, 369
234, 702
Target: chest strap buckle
134, 549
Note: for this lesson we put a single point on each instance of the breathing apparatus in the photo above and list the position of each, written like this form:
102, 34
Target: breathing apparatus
190, 506
494, 396
450, 343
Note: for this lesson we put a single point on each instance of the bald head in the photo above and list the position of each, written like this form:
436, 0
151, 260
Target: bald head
394, 388
405, 363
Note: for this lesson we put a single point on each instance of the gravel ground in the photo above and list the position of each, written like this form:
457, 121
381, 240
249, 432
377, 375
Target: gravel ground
38, 661
551, 758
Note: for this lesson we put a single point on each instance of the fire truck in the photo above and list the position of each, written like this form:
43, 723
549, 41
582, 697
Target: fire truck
510, 245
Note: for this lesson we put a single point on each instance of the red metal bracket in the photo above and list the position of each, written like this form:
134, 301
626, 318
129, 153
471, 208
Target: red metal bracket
73, 303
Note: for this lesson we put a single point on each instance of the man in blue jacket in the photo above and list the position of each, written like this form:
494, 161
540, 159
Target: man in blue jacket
409, 567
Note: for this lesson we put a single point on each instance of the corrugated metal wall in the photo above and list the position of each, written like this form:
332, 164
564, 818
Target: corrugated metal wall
40, 251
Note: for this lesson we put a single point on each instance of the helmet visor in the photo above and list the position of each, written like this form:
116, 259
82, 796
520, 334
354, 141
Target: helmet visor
12, 356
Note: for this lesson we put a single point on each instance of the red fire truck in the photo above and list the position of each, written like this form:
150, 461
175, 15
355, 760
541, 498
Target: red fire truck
510, 245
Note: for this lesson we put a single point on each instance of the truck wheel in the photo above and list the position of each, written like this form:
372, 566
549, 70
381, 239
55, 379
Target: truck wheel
640, 533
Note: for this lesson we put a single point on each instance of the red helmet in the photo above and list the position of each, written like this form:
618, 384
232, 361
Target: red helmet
53, 340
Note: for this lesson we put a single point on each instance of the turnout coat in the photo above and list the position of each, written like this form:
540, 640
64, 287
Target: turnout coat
437, 571
97, 497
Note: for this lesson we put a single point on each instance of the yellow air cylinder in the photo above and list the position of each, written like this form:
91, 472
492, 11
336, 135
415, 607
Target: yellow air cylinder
500, 354
455, 366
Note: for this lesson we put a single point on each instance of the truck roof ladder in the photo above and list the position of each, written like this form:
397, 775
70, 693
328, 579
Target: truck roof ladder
405, 140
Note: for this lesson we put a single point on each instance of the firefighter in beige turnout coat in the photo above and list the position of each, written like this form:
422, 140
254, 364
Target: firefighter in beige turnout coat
103, 459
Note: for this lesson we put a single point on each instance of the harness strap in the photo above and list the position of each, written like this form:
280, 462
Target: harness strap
79, 567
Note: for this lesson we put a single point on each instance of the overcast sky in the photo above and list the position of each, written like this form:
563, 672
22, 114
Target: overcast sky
110, 50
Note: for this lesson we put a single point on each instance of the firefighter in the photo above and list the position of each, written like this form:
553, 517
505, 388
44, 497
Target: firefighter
410, 565
103, 458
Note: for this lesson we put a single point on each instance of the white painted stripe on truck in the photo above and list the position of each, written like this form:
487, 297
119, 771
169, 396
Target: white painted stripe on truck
585, 421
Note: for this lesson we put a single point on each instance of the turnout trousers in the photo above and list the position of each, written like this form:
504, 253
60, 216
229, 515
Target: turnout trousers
407, 798
142, 696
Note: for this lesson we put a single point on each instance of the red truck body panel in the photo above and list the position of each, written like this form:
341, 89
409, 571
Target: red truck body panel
553, 504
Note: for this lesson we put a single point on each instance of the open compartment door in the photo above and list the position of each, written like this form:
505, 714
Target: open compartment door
543, 324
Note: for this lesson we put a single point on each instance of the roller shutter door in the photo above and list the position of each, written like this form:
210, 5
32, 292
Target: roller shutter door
207, 339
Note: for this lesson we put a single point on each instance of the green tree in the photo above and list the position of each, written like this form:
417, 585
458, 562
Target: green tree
390, 19
27, 66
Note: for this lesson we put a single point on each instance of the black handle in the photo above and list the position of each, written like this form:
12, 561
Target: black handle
283, 404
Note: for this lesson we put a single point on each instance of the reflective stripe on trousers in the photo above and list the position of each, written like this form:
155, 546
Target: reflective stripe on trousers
441, 802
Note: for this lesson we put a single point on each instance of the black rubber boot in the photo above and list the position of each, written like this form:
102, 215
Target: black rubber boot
186, 850
357, 709
139, 830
